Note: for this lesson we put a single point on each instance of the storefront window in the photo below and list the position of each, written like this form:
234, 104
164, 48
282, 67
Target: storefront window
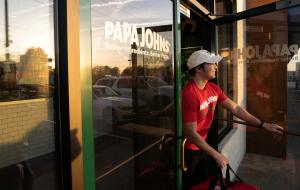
272, 56
132, 55
268, 54
207, 4
27, 142
254, 3
227, 69
223, 7
250, 4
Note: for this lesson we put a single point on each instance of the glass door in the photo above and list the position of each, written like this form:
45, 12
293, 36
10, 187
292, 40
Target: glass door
133, 94
264, 49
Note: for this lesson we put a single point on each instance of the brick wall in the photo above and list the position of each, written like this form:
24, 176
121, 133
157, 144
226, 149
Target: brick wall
26, 130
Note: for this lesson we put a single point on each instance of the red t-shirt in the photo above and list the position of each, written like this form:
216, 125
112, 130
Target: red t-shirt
199, 106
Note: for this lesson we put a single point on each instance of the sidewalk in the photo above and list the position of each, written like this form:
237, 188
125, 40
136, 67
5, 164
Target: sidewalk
273, 173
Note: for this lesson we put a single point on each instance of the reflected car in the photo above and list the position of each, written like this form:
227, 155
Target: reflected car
153, 90
110, 106
106, 81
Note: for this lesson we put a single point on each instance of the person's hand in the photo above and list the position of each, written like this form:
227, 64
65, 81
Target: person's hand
273, 128
221, 160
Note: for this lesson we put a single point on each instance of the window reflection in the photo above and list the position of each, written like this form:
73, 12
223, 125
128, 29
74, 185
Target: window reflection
253, 3
26, 69
268, 50
104, 91
133, 57
27, 151
223, 7
226, 69
272, 94
207, 4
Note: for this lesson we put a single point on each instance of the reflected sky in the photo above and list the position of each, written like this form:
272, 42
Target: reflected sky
30, 25
31, 22
135, 12
132, 11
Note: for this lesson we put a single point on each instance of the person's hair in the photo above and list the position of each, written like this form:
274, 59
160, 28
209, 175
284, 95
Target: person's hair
192, 72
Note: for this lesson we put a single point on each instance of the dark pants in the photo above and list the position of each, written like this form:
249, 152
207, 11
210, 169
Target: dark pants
199, 166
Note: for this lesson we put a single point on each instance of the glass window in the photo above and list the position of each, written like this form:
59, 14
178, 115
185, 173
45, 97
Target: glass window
154, 82
27, 142
142, 83
106, 81
269, 49
207, 4
226, 72
223, 7
132, 41
125, 83
104, 92
254, 3
272, 53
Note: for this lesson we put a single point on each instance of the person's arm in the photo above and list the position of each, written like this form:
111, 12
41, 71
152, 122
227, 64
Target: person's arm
249, 118
191, 134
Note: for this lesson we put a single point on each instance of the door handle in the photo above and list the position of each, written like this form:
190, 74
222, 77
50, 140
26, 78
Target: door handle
184, 168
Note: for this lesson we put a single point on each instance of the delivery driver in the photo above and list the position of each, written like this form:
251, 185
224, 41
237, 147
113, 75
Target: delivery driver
199, 100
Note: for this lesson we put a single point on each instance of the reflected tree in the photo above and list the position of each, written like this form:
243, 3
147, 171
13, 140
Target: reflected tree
104, 71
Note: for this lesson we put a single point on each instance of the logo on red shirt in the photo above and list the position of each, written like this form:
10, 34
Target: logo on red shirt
209, 100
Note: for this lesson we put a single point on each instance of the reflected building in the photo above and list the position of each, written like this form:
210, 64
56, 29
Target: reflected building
7, 74
33, 69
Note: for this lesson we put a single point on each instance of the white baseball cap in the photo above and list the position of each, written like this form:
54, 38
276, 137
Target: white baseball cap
202, 56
